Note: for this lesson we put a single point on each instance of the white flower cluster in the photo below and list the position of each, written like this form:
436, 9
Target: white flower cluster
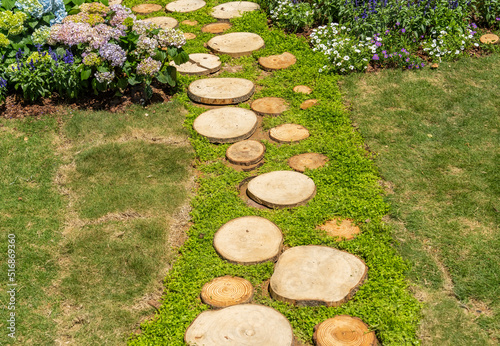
292, 14
447, 45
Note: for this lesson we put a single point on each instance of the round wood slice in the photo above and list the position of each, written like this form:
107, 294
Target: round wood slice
245, 153
307, 160
216, 28
281, 189
248, 240
303, 89
340, 229
308, 103
226, 124
114, 2
269, 105
236, 44
221, 91
344, 330
316, 275
189, 36
489, 39
226, 291
244, 324
199, 64
184, 6
233, 9
277, 62
146, 8
190, 22
288, 133
163, 22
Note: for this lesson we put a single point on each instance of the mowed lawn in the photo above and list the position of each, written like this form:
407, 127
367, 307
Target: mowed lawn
436, 137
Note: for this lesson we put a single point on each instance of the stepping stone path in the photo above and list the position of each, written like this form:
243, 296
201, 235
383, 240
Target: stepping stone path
163, 22
489, 39
216, 28
248, 240
226, 125
277, 62
303, 89
308, 103
190, 22
221, 91
307, 160
316, 275
288, 133
281, 189
246, 324
146, 8
269, 106
226, 291
340, 229
233, 9
236, 44
245, 153
343, 330
184, 6
189, 36
199, 64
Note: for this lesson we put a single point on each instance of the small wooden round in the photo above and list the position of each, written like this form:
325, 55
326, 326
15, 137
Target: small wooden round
307, 161
269, 106
226, 291
303, 89
344, 330
277, 62
146, 8
216, 28
288, 133
489, 39
308, 103
245, 153
221, 91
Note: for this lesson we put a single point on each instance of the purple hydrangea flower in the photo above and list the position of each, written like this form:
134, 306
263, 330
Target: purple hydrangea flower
113, 53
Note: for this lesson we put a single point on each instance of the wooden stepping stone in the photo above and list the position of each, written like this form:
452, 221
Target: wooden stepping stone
316, 275
189, 36
307, 160
114, 2
236, 44
190, 22
216, 28
489, 39
184, 6
281, 189
226, 291
221, 91
344, 330
308, 103
303, 89
233, 9
269, 105
340, 229
245, 153
244, 324
277, 62
288, 133
226, 124
199, 64
163, 22
146, 8
248, 240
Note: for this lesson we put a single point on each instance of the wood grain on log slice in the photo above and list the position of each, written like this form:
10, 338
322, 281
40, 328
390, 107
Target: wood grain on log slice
243, 324
316, 275
344, 330
233, 9
221, 91
184, 6
308, 103
269, 106
216, 28
303, 89
163, 22
307, 160
489, 39
199, 64
288, 133
340, 229
146, 8
226, 124
114, 2
190, 22
245, 153
236, 44
248, 240
277, 62
189, 36
226, 291
281, 189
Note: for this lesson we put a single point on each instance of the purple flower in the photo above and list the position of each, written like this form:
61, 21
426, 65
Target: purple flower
113, 53
148, 67
378, 44
495, 19
3, 83
375, 57
403, 30
422, 64
397, 23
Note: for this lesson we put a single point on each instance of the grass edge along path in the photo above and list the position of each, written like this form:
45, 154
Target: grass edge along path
346, 187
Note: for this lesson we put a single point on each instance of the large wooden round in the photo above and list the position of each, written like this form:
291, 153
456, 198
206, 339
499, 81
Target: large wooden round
307, 161
245, 153
236, 44
184, 6
199, 64
233, 9
277, 62
163, 22
244, 324
226, 291
269, 106
221, 91
343, 330
248, 240
281, 189
146, 8
303, 89
316, 275
340, 229
288, 133
216, 28
114, 2
226, 125
489, 39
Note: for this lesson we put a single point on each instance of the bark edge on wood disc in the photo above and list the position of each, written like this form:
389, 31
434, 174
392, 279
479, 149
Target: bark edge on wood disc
246, 153
307, 160
343, 330
489, 39
277, 62
269, 106
221, 91
340, 229
146, 8
227, 291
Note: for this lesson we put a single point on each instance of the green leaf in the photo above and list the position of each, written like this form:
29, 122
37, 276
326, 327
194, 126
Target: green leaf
181, 58
85, 74
122, 83
132, 80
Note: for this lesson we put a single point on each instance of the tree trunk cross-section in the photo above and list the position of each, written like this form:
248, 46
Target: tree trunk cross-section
303, 89
199, 64
226, 291
236, 44
185, 5
277, 62
233, 9
343, 330
146, 8
245, 153
489, 39
163, 22
216, 28
288, 133
307, 160
316, 275
269, 106
221, 91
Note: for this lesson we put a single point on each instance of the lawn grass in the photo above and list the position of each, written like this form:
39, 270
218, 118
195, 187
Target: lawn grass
435, 136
